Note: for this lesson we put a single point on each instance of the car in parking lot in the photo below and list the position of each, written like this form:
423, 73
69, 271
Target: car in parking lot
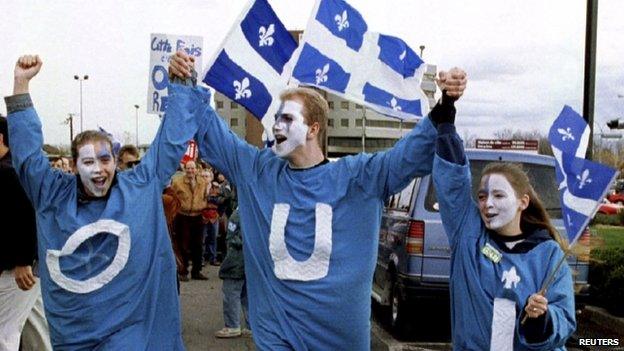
413, 261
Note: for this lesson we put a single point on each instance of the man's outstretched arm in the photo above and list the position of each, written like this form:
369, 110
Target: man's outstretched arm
217, 144
412, 155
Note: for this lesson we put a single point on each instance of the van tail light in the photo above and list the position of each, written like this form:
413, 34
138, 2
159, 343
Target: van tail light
582, 249
415, 237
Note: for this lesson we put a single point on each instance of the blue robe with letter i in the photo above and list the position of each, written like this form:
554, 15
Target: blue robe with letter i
488, 297
106, 264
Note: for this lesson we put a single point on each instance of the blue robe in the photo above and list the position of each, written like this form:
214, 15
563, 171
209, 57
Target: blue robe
311, 235
478, 283
112, 285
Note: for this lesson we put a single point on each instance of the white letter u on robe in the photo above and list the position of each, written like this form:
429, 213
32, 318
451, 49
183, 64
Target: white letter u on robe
317, 265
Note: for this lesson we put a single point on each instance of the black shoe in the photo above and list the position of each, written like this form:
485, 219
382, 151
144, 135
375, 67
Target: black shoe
198, 276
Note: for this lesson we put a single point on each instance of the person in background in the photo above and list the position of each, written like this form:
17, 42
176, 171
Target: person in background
191, 190
21, 306
232, 271
128, 157
67, 164
56, 162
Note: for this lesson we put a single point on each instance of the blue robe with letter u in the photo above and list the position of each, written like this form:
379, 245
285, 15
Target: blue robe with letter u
106, 264
311, 235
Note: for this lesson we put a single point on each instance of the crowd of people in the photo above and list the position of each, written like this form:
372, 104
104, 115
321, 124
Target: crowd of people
298, 233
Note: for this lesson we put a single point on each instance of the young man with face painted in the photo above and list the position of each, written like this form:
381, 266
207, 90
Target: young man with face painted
502, 249
311, 226
107, 270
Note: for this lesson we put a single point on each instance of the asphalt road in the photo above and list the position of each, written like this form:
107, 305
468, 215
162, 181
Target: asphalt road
202, 317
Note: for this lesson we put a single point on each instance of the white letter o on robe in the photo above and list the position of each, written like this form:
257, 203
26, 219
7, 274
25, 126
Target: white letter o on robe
81, 235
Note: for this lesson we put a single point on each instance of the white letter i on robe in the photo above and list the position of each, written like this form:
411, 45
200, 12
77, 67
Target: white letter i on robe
317, 265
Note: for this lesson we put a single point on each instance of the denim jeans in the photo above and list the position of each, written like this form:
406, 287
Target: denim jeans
210, 241
234, 297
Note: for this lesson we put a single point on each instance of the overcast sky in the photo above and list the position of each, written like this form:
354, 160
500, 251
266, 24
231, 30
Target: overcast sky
524, 58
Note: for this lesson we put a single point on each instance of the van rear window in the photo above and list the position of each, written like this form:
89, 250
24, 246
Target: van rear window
542, 177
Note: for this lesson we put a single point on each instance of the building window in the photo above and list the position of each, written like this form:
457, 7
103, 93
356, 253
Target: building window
344, 105
234, 122
233, 105
358, 106
330, 122
331, 105
358, 122
219, 104
344, 122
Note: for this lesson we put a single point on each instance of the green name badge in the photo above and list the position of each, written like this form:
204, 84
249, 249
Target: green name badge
490, 252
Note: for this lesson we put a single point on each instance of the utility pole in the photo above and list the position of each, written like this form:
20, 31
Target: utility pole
589, 85
70, 120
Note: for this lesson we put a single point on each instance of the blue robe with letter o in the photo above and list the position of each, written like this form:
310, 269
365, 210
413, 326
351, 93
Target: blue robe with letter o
107, 267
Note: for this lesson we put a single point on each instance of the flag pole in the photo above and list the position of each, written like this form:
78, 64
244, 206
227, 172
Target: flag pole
363, 128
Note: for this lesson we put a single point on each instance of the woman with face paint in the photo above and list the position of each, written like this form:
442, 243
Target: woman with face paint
502, 250
109, 276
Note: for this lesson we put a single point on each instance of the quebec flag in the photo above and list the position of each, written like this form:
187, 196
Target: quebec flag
251, 65
339, 54
582, 183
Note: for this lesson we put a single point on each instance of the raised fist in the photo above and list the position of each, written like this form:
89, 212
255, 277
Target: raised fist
27, 66
453, 82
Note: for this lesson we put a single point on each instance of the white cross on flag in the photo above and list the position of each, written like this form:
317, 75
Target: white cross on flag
250, 67
582, 183
339, 54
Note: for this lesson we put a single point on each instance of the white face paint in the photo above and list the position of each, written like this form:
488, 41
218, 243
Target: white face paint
96, 167
289, 129
498, 202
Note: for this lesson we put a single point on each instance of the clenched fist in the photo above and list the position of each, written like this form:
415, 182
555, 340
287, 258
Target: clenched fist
453, 81
26, 68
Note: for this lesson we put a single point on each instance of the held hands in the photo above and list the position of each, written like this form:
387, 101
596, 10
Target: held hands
536, 306
181, 65
24, 277
26, 68
453, 82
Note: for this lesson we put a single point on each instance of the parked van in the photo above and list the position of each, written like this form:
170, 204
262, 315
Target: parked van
413, 262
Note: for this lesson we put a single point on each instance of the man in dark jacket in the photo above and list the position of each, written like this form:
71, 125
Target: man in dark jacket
19, 309
232, 272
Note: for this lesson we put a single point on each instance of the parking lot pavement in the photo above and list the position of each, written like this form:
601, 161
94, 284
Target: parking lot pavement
202, 315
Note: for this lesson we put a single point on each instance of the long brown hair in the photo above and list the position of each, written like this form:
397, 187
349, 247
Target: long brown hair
535, 215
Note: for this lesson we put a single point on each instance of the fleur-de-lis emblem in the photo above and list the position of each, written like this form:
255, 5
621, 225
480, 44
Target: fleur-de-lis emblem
584, 179
321, 74
342, 21
566, 133
402, 56
242, 90
394, 104
510, 278
266, 35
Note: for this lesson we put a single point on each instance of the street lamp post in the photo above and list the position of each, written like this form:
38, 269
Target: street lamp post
79, 79
136, 108
422, 48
